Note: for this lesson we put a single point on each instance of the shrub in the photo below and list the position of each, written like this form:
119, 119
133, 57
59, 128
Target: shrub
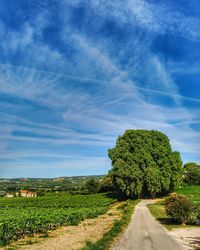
198, 217
91, 186
192, 173
180, 209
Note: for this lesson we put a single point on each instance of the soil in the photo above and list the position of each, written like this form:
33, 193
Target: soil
72, 237
188, 237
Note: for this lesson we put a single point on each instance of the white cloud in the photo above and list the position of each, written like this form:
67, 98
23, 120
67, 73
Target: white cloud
35, 85
92, 97
157, 18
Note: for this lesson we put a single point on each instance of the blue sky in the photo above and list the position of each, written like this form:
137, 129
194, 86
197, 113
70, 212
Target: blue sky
76, 74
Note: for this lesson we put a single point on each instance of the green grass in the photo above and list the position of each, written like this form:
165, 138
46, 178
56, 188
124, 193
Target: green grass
105, 242
158, 209
193, 192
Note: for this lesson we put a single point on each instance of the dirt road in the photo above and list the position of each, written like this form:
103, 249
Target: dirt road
72, 237
145, 233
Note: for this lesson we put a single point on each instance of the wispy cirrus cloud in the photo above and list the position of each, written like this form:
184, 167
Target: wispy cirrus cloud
154, 17
71, 91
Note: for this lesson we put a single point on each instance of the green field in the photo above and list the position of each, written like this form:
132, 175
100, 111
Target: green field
26, 216
193, 192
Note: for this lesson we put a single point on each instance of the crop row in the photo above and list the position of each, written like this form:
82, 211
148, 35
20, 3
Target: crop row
14, 223
27, 216
64, 201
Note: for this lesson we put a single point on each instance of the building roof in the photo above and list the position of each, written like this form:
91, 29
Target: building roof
26, 191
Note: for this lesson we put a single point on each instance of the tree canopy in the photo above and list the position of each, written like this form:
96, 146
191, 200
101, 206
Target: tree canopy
143, 163
105, 185
91, 186
192, 173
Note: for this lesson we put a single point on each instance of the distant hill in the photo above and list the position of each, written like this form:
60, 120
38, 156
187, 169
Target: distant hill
66, 183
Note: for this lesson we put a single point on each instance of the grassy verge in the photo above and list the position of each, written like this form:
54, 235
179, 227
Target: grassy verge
105, 242
158, 211
193, 192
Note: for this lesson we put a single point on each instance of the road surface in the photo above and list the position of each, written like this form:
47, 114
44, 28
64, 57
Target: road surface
145, 233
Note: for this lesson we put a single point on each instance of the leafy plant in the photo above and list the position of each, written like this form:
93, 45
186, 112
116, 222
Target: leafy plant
192, 173
180, 208
26, 216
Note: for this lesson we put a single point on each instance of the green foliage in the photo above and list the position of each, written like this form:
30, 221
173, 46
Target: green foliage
23, 216
153, 180
105, 185
2, 193
189, 164
159, 211
144, 163
192, 192
192, 173
180, 209
74, 184
40, 192
92, 186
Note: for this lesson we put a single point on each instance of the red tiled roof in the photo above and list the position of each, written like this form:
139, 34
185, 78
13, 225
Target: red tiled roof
24, 191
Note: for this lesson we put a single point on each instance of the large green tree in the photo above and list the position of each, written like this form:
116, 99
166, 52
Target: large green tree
143, 163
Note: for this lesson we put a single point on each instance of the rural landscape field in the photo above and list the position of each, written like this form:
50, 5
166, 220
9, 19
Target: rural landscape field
29, 221
27, 216
99, 125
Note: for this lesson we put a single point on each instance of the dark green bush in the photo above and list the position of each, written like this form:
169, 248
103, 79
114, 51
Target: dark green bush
180, 209
192, 173
198, 216
91, 186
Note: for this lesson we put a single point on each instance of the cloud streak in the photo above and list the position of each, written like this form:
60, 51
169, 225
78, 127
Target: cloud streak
70, 86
